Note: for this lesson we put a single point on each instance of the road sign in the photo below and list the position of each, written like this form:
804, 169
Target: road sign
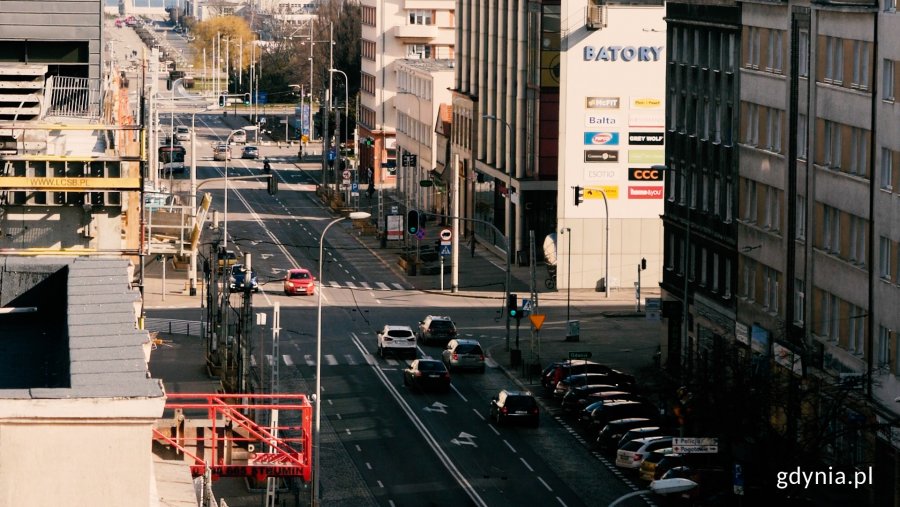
420, 234
446, 234
346, 175
537, 320
580, 355
395, 210
445, 250
695, 445
354, 189
526, 305
332, 154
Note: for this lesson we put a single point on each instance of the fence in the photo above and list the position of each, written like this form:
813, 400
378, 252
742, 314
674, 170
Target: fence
173, 326
74, 97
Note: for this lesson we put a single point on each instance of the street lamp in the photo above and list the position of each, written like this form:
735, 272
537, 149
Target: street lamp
660, 487
227, 156
356, 215
193, 266
568, 232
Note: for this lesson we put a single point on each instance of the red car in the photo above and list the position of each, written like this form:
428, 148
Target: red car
299, 281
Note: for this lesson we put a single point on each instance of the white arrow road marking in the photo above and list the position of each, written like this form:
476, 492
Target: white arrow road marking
309, 360
265, 256
464, 439
277, 270
287, 360
437, 407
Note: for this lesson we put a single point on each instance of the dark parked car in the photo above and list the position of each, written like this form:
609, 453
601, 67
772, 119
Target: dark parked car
658, 463
562, 369
436, 328
610, 435
621, 409
515, 406
427, 374
250, 152
576, 399
237, 280
613, 378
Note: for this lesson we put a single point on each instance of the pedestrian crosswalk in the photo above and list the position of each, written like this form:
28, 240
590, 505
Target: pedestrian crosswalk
345, 360
366, 285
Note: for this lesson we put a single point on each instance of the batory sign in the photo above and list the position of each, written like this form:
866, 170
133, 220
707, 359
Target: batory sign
623, 53
644, 174
646, 138
605, 138
601, 156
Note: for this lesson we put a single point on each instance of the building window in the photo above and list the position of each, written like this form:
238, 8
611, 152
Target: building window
860, 65
704, 268
890, 6
727, 276
883, 347
859, 148
831, 234
887, 165
774, 59
803, 56
800, 217
728, 201
694, 190
770, 298
705, 193
717, 197
799, 302
748, 279
773, 209
884, 257
682, 187
887, 89
858, 229
715, 272
418, 51
857, 330
670, 252
773, 130
751, 127
420, 17
692, 269
832, 145
671, 183
834, 60
802, 141
750, 201
753, 47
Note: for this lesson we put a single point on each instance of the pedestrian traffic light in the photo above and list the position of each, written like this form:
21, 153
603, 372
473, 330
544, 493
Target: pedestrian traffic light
643, 264
246, 99
272, 185
222, 100
412, 221
512, 305
579, 195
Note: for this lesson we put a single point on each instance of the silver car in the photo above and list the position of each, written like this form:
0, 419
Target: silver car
463, 354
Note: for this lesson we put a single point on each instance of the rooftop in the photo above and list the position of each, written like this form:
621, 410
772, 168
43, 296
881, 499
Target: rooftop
68, 330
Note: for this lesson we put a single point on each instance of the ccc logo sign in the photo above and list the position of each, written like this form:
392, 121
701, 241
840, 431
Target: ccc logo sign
645, 175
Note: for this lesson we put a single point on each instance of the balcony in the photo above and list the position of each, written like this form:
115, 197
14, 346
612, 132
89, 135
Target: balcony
416, 31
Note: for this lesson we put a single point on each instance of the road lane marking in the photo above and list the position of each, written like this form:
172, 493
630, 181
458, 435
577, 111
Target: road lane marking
331, 360
338, 416
495, 430
526, 464
511, 448
382, 286
358, 448
334, 284
350, 360
287, 360
365, 285
478, 414
545, 484
368, 465
380, 484
459, 393
348, 431
351, 284
423, 430
558, 499
397, 286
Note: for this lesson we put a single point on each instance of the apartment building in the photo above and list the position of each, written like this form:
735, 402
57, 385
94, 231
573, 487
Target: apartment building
392, 31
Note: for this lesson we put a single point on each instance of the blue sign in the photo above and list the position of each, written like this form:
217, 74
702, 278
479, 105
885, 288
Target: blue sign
262, 97
445, 250
601, 138
332, 154
304, 119
420, 234
354, 187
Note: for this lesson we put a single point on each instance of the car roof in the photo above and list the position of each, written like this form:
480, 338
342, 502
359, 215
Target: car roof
250, 147
650, 440
392, 326
466, 341
437, 317
298, 270
510, 392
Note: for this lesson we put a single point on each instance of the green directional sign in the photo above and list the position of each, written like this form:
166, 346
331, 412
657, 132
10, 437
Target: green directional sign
580, 355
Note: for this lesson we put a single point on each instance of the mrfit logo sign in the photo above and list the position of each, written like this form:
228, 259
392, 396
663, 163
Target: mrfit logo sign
601, 156
645, 174
601, 102
646, 138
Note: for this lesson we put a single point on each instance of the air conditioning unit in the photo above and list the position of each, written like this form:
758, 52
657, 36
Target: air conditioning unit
596, 17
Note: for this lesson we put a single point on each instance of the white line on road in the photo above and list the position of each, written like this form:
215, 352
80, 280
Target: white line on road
459, 393
495, 430
478, 414
558, 499
397, 286
347, 271
368, 465
526, 465
358, 448
511, 448
380, 484
545, 484
309, 360
331, 360
382, 286
334, 284
348, 431
365, 285
351, 284
370, 359
338, 416
287, 360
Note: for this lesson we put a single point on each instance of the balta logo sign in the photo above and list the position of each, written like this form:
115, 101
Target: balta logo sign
601, 102
603, 138
601, 156
597, 120
644, 174
646, 138
645, 192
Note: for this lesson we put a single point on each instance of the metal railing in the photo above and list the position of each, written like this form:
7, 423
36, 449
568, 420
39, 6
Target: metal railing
74, 97
173, 326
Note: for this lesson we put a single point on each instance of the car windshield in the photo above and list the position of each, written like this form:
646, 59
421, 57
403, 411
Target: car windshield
300, 275
440, 325
399, 333
431, 366
632, 446
468, 348
520, 402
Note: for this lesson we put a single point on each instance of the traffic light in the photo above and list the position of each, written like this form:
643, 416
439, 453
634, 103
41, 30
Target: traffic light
643, 264
168, 83
412, 221
222, 100
272, 185
512, 305
246, 99
579, 195
369, 141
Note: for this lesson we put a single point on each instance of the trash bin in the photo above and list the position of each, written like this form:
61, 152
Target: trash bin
515, 358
